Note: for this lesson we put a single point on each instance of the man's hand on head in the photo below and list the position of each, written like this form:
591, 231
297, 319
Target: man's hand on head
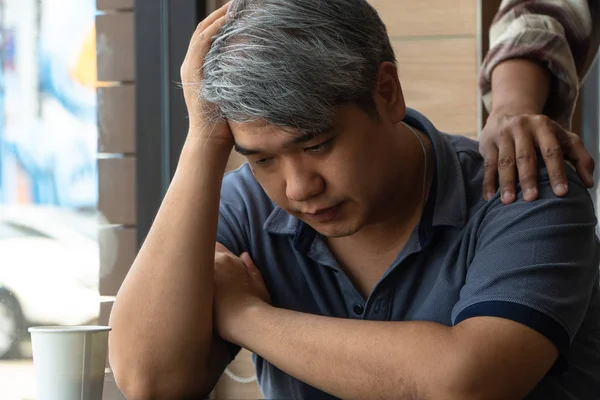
239, 287
192, 76
508, 145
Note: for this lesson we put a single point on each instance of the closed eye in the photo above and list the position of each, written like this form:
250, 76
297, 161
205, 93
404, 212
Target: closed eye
319, 147
263, 162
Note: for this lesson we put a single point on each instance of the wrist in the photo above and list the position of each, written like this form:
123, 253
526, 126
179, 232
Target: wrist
519, 86
249, 321
515, 109
205, 151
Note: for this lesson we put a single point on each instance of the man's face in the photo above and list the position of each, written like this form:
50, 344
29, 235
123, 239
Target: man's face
333, 181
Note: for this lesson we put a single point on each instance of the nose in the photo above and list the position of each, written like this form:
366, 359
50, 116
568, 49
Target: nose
302, 183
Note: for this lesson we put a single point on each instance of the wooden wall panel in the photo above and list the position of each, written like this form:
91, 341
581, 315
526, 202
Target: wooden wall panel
116, 119
116, 186
408, 18
118, 248
115, 47
439, 79
115, 4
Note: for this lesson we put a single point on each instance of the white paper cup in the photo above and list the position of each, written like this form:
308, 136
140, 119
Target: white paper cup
69, 361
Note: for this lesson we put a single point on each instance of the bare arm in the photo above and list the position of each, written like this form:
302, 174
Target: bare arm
530, 78
520, 86
562, 37
481, 358
162, 317
161, 345
487, 354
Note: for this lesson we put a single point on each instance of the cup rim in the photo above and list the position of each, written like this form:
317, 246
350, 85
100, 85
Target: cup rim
69, 329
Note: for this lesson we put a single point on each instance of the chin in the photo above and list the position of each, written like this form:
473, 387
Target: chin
336, 230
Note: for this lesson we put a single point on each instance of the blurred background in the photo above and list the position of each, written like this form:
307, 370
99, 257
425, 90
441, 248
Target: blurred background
49, 256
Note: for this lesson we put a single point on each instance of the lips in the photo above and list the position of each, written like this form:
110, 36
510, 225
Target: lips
320, 211
323, 214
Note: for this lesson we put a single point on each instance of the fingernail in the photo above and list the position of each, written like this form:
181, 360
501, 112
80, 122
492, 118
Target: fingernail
489, 195
530, 192
506, 196
561, 188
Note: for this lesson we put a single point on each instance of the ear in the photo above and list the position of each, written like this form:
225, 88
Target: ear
388, 93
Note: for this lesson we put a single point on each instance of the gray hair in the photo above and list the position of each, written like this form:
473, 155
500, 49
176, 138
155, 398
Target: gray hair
292, 62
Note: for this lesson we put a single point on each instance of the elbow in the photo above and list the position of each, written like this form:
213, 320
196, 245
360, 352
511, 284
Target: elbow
136, 385
140, 379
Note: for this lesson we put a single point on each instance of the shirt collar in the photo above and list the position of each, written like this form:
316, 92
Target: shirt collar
447, 203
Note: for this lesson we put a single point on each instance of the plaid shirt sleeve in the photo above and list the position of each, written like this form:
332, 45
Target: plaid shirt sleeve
562, 35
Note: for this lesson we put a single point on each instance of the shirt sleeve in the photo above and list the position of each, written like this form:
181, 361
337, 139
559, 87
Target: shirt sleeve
561, 35
232, 230
535, 263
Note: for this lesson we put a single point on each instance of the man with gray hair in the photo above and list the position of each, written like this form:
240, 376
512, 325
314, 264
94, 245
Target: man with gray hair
354, 254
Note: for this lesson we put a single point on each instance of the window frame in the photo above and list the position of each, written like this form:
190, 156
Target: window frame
162, 32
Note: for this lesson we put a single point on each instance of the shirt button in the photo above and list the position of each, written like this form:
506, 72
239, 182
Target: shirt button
358, 309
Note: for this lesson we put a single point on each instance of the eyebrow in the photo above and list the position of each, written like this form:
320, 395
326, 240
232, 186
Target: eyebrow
298, 139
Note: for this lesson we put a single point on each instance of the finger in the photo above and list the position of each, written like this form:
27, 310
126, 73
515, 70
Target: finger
248, 262
219, 248
507, 173
208, 21
202, 36
547, 138
200, 43
192, 67
582, 160
526, 165
490, 170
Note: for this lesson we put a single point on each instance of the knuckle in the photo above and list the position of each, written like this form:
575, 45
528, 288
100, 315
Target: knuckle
524, 157
201, 38
540, 119
506, 162
490, 165
222, 257
520, 122
552, 152
576, 140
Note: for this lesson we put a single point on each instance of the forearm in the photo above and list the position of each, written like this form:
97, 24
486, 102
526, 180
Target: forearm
559, 35
162, 317
358, 359
519, 86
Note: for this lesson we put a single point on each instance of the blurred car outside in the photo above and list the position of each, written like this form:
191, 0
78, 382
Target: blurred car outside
49, 270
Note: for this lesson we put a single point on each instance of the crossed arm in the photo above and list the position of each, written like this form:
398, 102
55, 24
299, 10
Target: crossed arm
480, 358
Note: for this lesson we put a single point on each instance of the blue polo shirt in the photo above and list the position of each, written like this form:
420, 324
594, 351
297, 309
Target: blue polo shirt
532, 262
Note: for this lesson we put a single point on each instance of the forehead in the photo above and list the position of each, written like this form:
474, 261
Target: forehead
345, 117
251, 137
258, 128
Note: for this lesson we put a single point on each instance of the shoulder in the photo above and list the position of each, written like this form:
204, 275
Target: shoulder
577, 204
466, 148
549, 219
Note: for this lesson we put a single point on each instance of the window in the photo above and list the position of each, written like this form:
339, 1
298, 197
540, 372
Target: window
49, 258
590, 95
